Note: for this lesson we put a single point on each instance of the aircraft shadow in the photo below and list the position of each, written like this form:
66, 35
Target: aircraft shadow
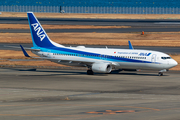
142, 74
53, 71
73, 72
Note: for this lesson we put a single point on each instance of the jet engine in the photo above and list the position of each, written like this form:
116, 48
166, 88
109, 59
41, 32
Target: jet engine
102, 67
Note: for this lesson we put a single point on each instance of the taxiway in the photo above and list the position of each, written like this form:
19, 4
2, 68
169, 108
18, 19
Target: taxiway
72, 95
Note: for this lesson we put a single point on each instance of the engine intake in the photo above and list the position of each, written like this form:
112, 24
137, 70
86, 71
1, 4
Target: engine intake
102, 67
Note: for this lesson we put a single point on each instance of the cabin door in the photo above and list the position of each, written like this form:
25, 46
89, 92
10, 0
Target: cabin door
48, 53
153, 58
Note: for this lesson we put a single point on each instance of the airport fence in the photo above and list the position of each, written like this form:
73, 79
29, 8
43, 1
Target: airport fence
95, 10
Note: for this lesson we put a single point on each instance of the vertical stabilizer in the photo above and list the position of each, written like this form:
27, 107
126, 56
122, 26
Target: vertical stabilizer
38, 34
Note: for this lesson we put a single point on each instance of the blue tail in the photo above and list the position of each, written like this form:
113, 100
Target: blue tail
38, 34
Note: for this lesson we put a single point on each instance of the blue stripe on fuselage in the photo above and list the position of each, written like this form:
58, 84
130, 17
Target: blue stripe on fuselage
61, 50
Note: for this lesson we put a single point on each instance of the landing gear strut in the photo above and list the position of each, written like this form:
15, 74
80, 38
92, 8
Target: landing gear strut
90, 72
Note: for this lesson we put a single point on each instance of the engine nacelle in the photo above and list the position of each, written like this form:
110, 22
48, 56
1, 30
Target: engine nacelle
102, 67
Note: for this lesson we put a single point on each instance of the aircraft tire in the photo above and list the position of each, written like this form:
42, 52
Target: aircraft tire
90, 72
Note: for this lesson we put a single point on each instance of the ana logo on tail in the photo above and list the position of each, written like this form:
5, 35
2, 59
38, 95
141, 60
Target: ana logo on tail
39, 31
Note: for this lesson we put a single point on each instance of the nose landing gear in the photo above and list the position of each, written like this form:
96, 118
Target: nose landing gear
161, 72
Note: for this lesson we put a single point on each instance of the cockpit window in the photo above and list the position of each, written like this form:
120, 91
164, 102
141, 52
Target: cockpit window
164, 58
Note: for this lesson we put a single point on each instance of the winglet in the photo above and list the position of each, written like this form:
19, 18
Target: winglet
130, 45
25, 53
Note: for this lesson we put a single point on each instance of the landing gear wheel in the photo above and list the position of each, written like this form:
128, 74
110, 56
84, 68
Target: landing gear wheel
160, 74
90, 72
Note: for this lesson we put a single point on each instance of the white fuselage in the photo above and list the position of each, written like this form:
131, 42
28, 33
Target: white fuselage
119, 58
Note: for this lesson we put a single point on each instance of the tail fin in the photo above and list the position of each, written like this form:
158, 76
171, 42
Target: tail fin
38, 34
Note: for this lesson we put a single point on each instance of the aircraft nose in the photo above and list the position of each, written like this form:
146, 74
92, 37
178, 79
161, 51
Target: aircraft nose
173, 63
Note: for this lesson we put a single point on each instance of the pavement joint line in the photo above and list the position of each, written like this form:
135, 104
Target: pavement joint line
142, 108
39, 115
171, 109
111, 111
85, 94
82, 105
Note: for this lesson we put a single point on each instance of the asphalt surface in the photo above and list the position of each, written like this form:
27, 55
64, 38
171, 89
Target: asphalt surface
137, 25
30, 94
72, 95
169, 50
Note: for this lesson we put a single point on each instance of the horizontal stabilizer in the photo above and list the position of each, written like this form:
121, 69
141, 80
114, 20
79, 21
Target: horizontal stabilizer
26, 54
23, 47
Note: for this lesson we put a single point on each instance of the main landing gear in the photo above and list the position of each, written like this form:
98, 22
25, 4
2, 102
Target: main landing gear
90, 72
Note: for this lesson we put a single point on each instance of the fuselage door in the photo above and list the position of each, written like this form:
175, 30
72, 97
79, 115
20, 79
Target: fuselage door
153, 58
48, 53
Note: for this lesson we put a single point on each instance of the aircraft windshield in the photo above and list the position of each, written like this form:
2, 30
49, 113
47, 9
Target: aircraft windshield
164, 58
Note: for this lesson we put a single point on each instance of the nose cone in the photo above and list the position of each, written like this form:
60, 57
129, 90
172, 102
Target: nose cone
173, 63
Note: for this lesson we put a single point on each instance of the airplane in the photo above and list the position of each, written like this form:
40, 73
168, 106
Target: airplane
97, 60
